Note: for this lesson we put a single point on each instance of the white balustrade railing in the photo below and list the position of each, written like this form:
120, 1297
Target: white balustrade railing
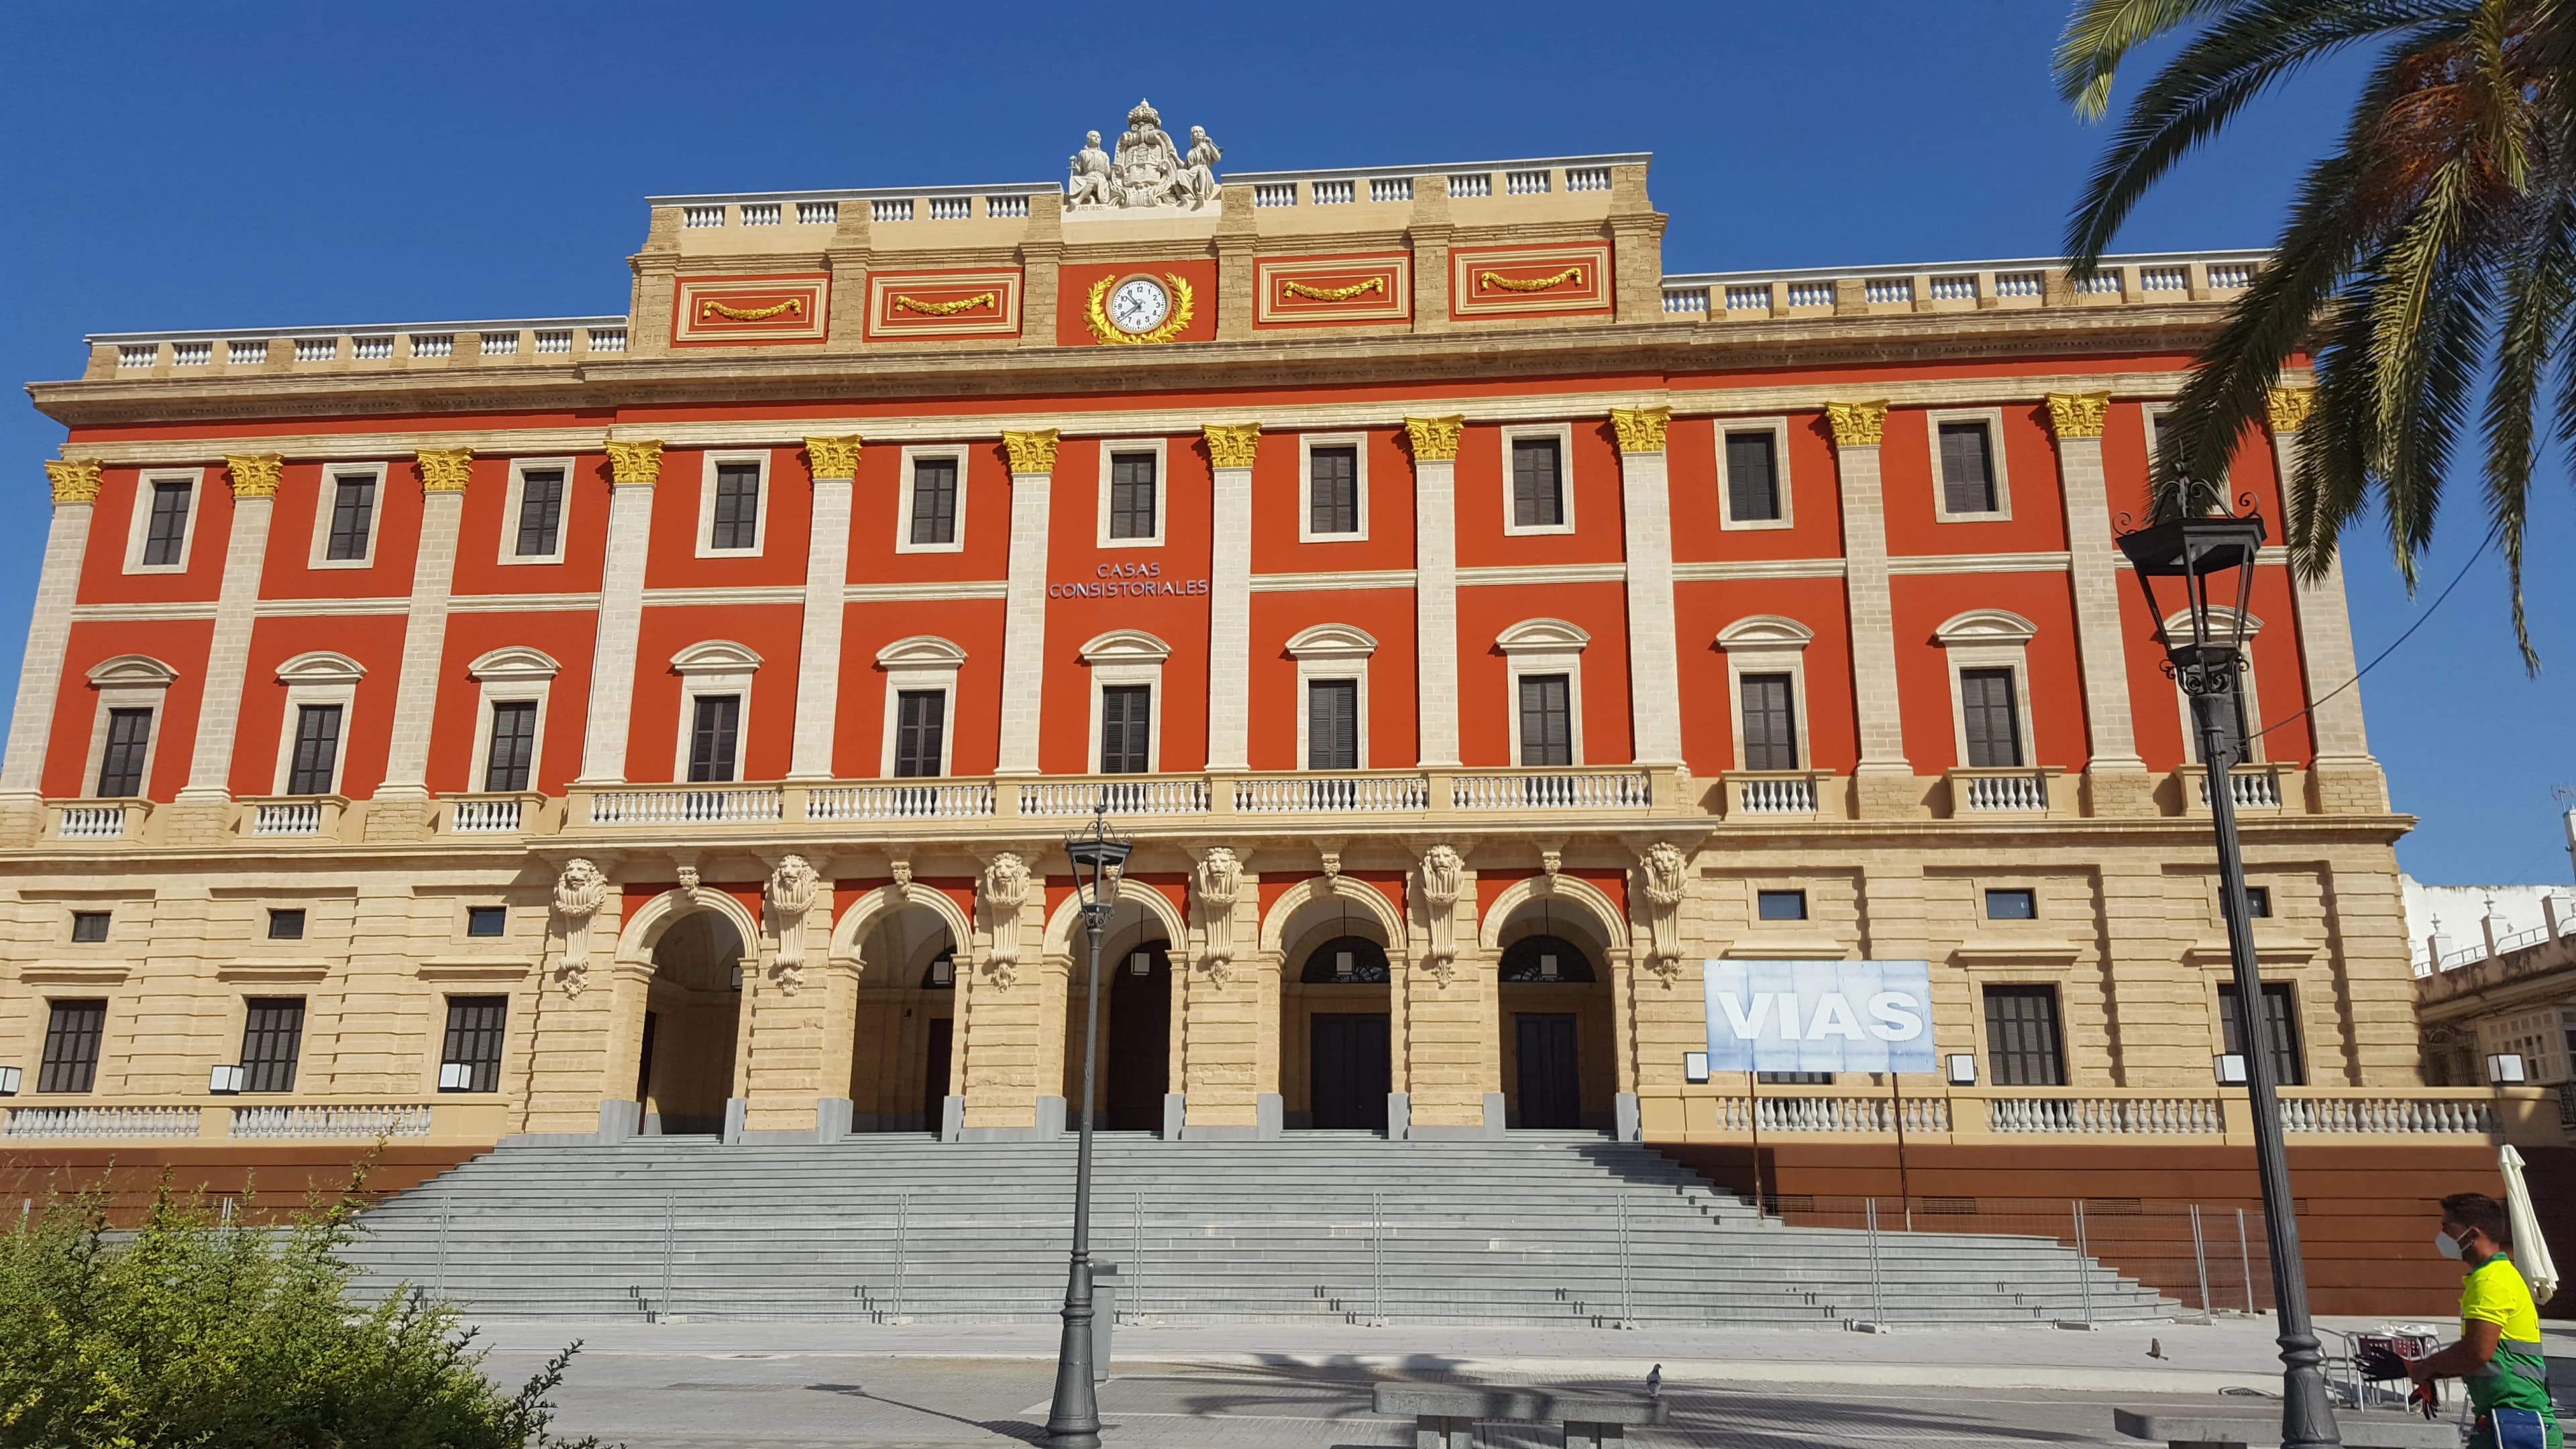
2375, 1116
292, 818
1776, 795
485, 817
2106, 1116
91, 822
686, 806
2255, 789
100, 1122
2017, 792
1834, 1114
1116, 797
1333, 795
899, 802
1619, 790
363, 1123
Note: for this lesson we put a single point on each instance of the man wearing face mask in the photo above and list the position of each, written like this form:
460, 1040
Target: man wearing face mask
2498, 1357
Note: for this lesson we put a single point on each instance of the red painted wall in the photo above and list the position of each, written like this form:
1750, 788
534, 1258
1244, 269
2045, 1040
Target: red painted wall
1179, 619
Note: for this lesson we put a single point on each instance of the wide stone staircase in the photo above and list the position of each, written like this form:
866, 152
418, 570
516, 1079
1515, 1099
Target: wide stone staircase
1537, 1228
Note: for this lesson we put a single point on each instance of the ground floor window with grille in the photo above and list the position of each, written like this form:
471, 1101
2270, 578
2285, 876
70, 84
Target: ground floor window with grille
72, 1034
272, 1037
2280, 1031
471, 1059
2024, 1047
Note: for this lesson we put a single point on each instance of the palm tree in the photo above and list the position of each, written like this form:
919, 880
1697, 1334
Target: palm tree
2433, 249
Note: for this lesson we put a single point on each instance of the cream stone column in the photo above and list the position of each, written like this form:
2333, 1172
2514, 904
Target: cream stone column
1217, 1037
2344, 776
786, 1005
1024, 611
827, 582
1435, 585
2115, 778
1450, 1047
1654, 665
49, 634
400, 809
634, 469
199, 815
1883, 782
1230, 448
1006, 1091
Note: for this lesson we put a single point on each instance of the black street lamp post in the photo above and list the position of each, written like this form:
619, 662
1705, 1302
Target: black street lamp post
1073, 1420
2203, 555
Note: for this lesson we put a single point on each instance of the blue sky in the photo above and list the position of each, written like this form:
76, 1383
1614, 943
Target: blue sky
219, 166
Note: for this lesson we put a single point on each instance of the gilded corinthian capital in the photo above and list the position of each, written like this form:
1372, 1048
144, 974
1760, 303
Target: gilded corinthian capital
1856, 424
1640, 430
1231, 445
1032, 452
635, 462
255, 475
2078, 414
2290, 407
1435, 440
75, 480
445, 470
833, 457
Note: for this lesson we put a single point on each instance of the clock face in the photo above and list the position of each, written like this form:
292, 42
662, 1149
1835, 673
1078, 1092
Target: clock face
1139, 305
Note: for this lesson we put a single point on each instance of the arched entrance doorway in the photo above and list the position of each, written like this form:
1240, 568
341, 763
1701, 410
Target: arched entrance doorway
1135, 1021
1336, 1047
692, 1024
906, 1022
1557, 1038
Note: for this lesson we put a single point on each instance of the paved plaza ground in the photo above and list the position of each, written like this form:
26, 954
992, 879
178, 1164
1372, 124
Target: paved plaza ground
794, 1385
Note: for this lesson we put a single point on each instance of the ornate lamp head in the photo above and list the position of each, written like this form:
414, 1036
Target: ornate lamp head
1099, 860
2202, 570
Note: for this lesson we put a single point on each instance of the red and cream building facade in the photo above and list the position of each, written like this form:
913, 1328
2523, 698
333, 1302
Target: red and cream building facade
669, 722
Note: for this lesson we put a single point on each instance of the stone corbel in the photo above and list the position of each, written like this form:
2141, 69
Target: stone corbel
794, 888
1443, 878
901, 870
1663, 881
1004, 889
580, 890
1217, 885
1551, 863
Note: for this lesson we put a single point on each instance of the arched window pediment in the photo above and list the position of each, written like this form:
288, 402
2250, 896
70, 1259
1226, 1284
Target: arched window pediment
1125, 646
1765, 631
2221, 618
1332, 641
514, 663
132, 671
1986, 626
921, 651
321, 666
715, 656
1542, 636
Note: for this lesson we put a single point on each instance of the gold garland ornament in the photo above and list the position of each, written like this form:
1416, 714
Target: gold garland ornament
1529, 284
947, 309
1097, 316
793, 307
1336, 294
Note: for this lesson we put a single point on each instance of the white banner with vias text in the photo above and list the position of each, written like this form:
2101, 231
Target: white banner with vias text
1819, 1016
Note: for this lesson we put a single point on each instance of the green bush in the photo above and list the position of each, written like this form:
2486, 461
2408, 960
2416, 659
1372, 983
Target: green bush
189, 1331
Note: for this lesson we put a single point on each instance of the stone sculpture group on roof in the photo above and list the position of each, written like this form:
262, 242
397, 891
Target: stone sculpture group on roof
1148, 172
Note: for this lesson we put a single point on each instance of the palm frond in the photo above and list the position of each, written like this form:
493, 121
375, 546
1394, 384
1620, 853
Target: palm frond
2101, 33
2538, 293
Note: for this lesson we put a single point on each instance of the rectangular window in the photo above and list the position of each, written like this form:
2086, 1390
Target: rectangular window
2258, 902
737, 523
165, 538
286, 924
272, 1037
1538, 484
1547, 720
1332, 724
2280, 1031
1126, 729
2023, 1047
1991, 719
1781, 905
1770, 722
1131, 495
353, 516
72, 1036
1795, 1079
317, 750
1333, 490
120, 766
487, 920
1967, 468
1752, 477
920, 731
712, 735
2232, 730
89, 925
541, 500
2012, 905
511, 757
934, 500
471, 1056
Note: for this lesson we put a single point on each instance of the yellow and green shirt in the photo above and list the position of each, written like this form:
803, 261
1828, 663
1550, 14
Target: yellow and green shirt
2518, 1376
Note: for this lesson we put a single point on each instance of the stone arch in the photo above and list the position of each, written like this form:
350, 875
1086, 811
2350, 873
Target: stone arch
1366, 901
1576, 900
687, 1039
869, 910
1063, 936
648, 923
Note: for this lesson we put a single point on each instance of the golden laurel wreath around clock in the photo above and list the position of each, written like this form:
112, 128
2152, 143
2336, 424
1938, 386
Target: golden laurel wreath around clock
1095, 314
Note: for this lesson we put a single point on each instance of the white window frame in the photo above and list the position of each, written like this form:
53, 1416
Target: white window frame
513, 674
1109, 449
1989, 639
326, 502
1564, 435
2151, 417
710, 462
924, 661
903, 500
128, 681
712, 666
1544, 646
1307, 443
519, 470
319, 677
1332, 653
1778, 428
1120, 657
1767, 644
2222, 617
1993, 418
139, 527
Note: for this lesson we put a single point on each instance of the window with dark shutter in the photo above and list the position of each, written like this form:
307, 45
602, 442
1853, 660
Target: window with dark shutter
1991, 717
1332, 724
737, 521
2232, 730
1131, 495
934, 500
712, 732
272, 1036
317, 750
1126, 729
1752, 477
120, 766
2023, 1044
512, 756
1547, 720
541, 498
72, 1034
1538, 484
1333, 490
1967, 468
475, 1026
920, 732
353, 516
2280, 1031
1770, 722
165, 537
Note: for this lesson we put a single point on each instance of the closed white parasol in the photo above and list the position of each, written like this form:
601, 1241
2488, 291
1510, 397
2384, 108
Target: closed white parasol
2530, 1249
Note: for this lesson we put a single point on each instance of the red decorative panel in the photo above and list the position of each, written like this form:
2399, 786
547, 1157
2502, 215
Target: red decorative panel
1306, 290
1529, 281
1083, 294
747, 311
944, 304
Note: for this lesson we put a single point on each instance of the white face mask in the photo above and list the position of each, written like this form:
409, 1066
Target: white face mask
2448, 1245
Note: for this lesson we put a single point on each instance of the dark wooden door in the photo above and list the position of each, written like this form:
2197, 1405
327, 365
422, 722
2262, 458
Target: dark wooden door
934, 1070
1350, 1069
1551, 1088
1136, 1059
